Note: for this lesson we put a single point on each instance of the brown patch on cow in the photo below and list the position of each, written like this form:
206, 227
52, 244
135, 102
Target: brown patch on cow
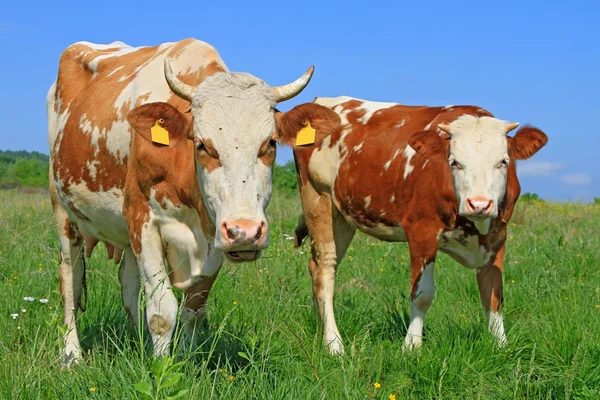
322, 119
526, 143
489, 280
268, 151
159, 325
208, 157
196, 296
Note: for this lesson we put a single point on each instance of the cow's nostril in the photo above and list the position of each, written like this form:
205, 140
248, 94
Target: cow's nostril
233, 232
259, 232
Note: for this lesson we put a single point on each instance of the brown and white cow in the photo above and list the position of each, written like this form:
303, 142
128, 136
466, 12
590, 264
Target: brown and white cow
439, 178
170, 210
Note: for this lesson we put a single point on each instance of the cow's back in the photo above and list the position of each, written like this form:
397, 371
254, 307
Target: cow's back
89, 136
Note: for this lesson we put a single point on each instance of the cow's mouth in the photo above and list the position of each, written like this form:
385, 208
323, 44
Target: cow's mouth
242, 256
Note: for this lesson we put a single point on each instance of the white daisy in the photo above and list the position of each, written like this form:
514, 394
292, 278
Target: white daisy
30, 299
14, 316
43, 301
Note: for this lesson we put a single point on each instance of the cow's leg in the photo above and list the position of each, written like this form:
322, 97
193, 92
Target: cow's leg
130, 285
331, 236
71, 276
489, 280
161, 304
422, 288
194, 311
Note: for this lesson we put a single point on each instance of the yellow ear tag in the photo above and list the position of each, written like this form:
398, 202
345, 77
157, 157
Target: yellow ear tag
305, 135
159, 134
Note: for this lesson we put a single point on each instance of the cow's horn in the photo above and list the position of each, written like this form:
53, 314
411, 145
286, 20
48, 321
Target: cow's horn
181, 89
446, 128
509, 126
286, 92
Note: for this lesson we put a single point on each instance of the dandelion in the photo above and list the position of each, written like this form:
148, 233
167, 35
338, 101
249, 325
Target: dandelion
14, 316
92, 389
39, 265
231, 378
377, 385
29, 299
513, 281
43, 301
597, 305
380, 259
234, 303
566, 298
15, 277
392, 396
381, 269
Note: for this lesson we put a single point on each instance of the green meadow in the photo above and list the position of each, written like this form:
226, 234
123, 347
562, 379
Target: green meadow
261, 339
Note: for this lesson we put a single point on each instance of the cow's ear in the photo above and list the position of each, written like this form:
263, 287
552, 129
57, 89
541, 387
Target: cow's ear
526, 143
306, 124
430, 145
155, 121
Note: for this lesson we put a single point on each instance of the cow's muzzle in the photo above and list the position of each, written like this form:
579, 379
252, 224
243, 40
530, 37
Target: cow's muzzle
243, 239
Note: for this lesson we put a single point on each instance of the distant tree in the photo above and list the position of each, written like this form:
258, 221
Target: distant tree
597, 200
23, 169
530, 197
284, 177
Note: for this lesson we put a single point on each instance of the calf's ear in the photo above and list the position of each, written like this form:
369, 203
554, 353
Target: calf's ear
430, 145
526, 143
144, 120
306, 124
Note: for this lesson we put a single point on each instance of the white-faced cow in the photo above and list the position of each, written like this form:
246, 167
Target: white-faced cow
171, 174
439, 178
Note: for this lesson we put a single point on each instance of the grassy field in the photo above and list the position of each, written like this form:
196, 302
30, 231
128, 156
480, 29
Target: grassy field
262, 341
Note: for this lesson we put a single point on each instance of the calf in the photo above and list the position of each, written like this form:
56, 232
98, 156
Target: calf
439, 178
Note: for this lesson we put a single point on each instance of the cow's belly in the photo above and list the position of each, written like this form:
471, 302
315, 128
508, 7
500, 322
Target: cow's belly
186, 247
384, 232
97, 214
464, 249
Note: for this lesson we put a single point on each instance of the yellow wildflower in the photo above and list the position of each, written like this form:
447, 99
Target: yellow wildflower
377, 385
92, 389
231, 378
392, 396
234, 303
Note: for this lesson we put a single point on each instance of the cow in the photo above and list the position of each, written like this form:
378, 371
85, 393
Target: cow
166, 157
439, 178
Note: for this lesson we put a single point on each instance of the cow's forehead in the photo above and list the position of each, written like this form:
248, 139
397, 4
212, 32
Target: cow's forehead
481, 134
234, 109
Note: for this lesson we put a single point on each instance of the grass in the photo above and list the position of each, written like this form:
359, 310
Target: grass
262, 341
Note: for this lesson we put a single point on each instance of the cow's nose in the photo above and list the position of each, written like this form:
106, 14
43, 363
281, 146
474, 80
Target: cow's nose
243, 231
480, 205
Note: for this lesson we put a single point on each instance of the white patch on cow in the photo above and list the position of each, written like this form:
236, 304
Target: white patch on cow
372, 107
358, 147
115, 70
424, 294
393, 199
496, 326
409, 153
396, 154
103, 209
400, 124
367, 202
185, 243
424, 164
428, 126
448, 107
479, 145
117, 139
386, 166
464, 249
91, 166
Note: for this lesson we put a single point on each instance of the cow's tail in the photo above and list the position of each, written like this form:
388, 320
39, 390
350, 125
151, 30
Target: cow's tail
301, 231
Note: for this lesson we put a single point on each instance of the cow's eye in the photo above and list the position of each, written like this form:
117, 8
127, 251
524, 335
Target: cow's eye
455, 164
503, 163
273, 143
200, 146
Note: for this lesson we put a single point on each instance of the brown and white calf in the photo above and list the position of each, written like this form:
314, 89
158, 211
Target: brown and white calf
171, 211
439, 178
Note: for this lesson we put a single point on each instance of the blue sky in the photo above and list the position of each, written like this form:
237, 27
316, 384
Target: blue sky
535, 62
